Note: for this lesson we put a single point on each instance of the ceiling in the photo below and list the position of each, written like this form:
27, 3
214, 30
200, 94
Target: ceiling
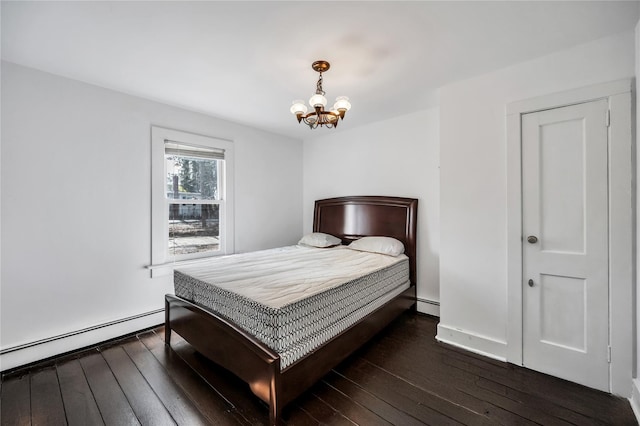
246, 61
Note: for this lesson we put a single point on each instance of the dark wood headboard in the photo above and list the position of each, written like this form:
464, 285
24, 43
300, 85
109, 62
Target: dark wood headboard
350, 218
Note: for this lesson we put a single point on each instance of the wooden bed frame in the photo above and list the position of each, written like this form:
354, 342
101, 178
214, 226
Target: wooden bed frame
220, 340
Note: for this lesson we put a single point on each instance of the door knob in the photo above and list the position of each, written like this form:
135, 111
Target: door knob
530, 283
532, 239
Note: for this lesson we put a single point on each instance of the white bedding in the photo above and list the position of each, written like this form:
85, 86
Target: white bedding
281, 276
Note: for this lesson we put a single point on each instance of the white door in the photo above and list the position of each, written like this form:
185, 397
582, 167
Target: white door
565, 243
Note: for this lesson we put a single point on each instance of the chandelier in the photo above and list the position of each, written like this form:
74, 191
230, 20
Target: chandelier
319, 116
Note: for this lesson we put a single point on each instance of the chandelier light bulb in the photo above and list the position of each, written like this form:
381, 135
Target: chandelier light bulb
298, 107
318, 100
342, 103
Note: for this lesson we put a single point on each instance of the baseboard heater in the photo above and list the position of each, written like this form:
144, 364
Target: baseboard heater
429, 307
430, 302
77, 332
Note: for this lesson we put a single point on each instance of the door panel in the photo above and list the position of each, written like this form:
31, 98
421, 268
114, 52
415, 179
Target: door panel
556, 292
562, 186
565, 293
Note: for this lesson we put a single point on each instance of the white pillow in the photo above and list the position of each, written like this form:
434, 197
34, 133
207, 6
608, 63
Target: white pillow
383, 245
319, 239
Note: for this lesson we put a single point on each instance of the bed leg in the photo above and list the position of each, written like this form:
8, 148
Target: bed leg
275, 407
167, 325
274, 414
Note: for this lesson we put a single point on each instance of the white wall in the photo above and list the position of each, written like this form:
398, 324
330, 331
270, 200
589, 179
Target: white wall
76, 206
637, 293
473, 254
635, 395
397, 157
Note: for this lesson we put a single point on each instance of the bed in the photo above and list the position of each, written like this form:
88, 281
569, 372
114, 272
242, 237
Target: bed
271, 378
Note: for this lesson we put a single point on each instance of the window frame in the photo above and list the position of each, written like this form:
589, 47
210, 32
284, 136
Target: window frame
162, 262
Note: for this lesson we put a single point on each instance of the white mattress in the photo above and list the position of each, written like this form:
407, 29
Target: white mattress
280, 276
294, 298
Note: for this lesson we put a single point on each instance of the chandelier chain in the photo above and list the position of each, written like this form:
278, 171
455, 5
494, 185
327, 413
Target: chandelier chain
319, 90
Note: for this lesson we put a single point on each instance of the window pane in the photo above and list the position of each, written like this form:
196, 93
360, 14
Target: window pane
194, 228
192, 178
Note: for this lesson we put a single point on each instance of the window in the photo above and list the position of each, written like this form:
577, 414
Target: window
192, 202
194, 178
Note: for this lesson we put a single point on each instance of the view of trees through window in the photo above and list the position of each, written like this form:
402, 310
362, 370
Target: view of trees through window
193, 192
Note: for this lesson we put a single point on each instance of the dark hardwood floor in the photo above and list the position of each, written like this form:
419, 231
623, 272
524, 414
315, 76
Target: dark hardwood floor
402, 377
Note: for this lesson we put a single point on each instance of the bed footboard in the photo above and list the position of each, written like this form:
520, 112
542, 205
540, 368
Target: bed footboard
228, 346
303, 374
258, 365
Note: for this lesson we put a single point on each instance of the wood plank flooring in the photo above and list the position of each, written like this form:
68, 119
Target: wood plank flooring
402, 377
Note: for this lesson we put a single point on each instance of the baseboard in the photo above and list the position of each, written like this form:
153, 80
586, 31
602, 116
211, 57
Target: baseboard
635, 398
472, 342
429, 307
28, 353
